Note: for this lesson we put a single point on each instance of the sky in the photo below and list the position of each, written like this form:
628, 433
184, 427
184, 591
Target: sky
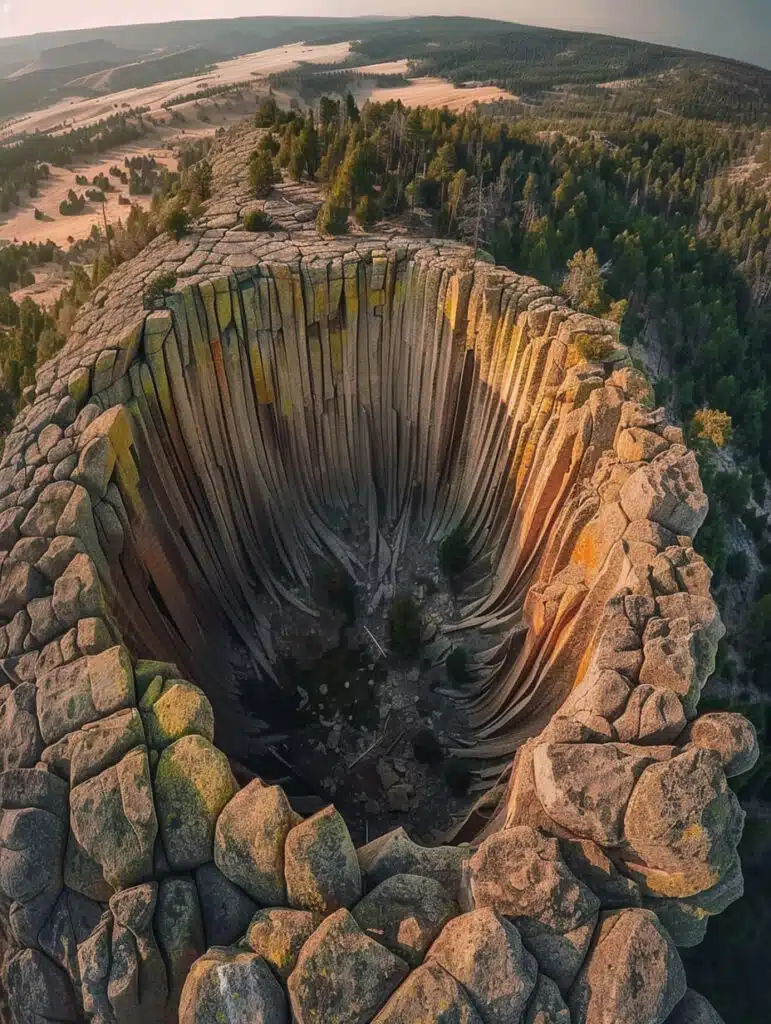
734, 28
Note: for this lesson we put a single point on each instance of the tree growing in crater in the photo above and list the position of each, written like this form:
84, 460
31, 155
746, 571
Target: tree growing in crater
454, 552
457, 775
457, 666
404, 627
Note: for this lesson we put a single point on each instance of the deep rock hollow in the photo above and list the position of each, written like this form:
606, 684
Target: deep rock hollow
166, 501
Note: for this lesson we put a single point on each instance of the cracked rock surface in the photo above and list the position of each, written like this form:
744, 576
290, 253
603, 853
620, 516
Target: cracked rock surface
176, 465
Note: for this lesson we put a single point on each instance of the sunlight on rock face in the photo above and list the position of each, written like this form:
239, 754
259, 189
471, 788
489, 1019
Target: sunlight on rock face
213, 505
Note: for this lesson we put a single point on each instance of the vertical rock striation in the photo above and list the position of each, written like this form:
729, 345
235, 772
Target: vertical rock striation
177, 465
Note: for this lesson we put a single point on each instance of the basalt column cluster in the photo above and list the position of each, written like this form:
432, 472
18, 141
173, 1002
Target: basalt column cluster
174, 469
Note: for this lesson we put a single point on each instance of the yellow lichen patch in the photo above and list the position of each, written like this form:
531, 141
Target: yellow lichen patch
180, 710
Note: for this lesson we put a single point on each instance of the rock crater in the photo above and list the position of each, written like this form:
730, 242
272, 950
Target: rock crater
173, 467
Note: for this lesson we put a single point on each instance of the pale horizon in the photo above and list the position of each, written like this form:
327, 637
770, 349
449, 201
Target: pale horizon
741, 30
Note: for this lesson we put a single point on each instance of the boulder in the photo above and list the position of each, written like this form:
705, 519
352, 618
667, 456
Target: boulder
406, 913
484, 952
519, 872
546, 1005
682, 825
102, 744
633, 974
137, 984
429, 994
278, 934
234, 988
585, 787
342, 975
668, 491
320, 864
694, 1009
20, 742
652, 716
181, 709
226, 909
396, 854
83, 691
732, 736
38, 990
249, 841
193, 783
113, 820
179, 930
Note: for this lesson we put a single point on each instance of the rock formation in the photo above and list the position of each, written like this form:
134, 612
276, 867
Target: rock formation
175, 464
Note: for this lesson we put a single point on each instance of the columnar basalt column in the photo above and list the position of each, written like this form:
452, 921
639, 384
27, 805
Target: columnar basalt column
176, 465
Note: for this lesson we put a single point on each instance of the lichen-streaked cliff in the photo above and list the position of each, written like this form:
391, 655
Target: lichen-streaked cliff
176, 466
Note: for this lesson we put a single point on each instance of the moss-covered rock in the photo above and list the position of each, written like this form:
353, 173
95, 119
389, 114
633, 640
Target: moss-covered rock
249, 841
178, 709
193, 782
320, 864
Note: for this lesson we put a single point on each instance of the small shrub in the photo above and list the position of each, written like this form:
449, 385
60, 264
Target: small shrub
257, 220
404, 627
457, 666
72, 205
595, 348
711, 426
95, 195
457, 775
454, 552
39, 215
340, 591
737, 565
158, 288
427, 748
177, 222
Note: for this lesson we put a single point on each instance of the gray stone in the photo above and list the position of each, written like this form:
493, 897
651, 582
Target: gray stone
38, 989
225, 909
694, 1009
342, 975
429, 994
179, 930
406, 913
546, 1005
396, 854
320, 864
237, 988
